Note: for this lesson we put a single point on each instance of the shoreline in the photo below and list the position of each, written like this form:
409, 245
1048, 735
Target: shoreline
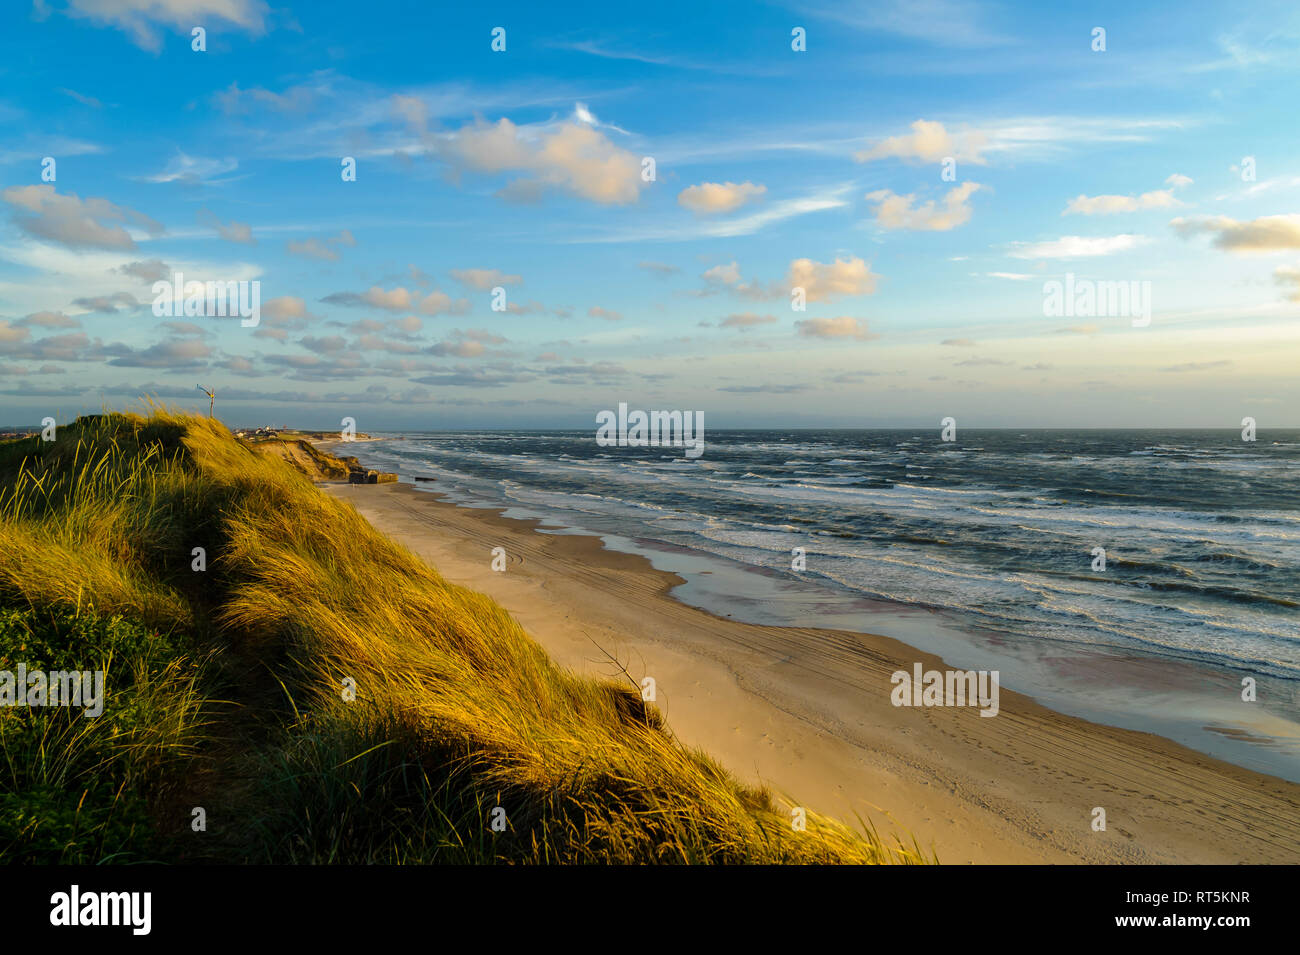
1192, 701
807, 711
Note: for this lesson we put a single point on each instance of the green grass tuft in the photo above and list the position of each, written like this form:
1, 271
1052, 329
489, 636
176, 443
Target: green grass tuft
226, 687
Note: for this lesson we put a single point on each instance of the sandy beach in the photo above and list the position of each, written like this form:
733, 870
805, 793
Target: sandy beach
807, 712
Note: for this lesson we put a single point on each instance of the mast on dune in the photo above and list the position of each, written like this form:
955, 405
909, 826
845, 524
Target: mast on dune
212, 398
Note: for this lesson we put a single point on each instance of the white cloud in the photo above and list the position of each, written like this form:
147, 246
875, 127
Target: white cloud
746, 320
1110, 204
400, 300
137, 18
899, 212
711, 198
108, 304
776, 212
49, 320
326, 250
573, 157
60, 273
458, 349
68, 220
1289, 275
10, 333
35, 148
1077, 246
82, 98
235, 100
484, 279
147, 271
662, 269
1265, 234
1264, 185
843, 327
826, 282
729, 276
479, 335
407, 327
950, 23
239, 232
284, 310
722, 274
192, 169
928, 142
395, 299
832, 197
583, 114
178, 353
1047, 137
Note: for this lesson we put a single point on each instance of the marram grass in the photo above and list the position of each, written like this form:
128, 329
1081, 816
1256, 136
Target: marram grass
323, 695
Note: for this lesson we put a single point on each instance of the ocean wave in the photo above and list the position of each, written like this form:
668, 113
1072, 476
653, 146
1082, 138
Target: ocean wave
1201, 539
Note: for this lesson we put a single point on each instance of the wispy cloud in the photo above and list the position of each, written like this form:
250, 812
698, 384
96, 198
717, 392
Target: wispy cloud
1077, 246
192, 169
82, 98
834, 197
845, 326
140, 19
635, 52
945, 23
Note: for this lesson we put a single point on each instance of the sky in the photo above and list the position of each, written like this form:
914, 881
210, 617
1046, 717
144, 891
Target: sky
775, 214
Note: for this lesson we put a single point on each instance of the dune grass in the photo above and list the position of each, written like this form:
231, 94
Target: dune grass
323, 694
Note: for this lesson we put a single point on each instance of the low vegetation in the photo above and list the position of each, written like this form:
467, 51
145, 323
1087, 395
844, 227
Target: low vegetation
317, 691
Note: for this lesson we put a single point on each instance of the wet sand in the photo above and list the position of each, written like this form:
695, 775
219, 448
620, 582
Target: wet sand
807, 712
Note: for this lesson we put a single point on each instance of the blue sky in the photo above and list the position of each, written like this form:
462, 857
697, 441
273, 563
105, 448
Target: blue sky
774, 169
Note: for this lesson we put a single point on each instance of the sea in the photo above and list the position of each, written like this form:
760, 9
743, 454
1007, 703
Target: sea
1144, 578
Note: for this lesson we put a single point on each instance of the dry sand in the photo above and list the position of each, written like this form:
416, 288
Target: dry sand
808, 712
